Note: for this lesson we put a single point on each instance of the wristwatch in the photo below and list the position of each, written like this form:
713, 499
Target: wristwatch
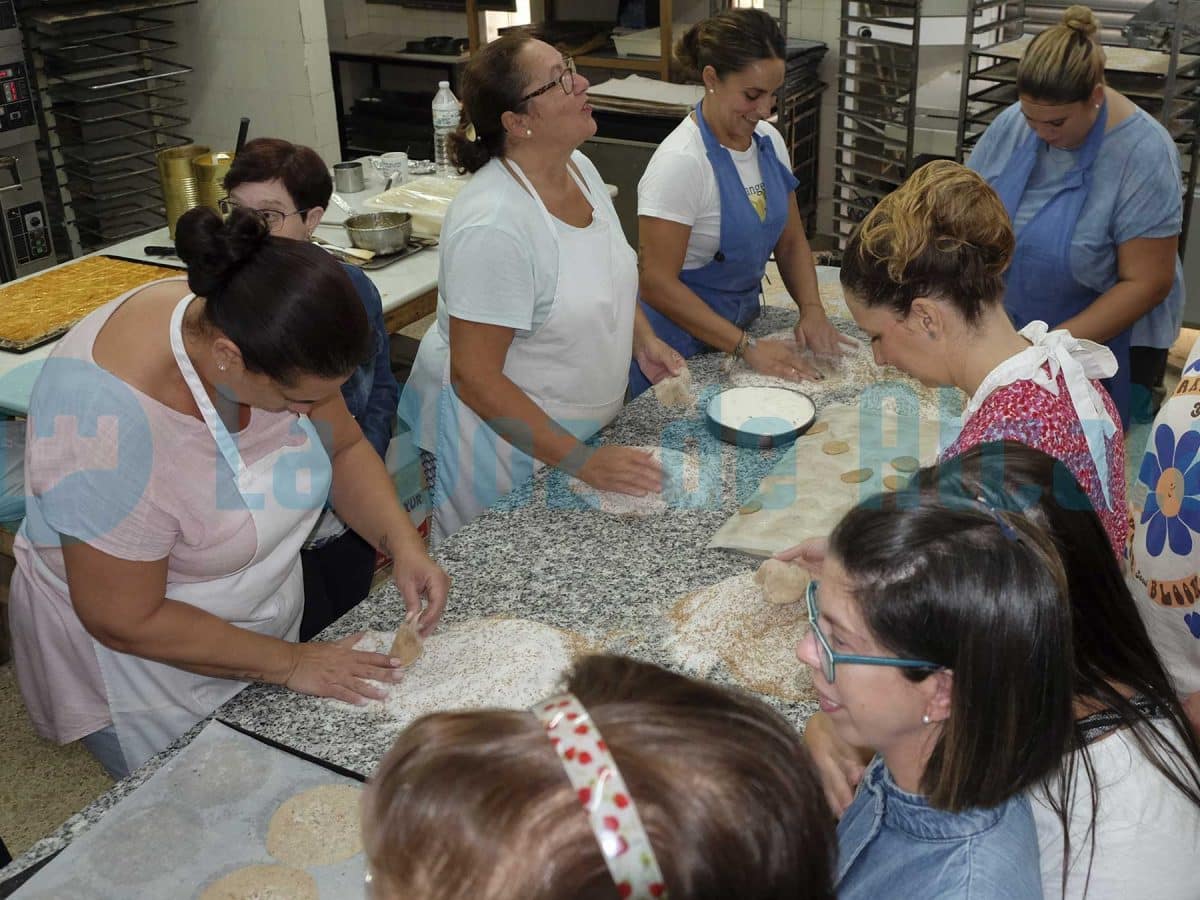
744, 344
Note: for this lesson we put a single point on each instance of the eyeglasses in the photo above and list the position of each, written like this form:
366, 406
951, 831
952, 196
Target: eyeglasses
830, 659
273, 217
566, 81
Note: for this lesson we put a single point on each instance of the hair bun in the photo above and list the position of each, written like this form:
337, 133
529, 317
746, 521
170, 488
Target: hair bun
1081, 18
214, 248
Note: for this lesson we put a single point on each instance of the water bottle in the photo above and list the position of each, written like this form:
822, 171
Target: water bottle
445, 120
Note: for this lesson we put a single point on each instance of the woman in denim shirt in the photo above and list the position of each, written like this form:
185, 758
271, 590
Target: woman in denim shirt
290, 186
939, 630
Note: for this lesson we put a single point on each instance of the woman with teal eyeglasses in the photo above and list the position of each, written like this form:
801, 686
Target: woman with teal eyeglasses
937, 639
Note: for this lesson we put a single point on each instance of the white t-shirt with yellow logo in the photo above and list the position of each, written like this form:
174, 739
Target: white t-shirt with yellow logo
679, 185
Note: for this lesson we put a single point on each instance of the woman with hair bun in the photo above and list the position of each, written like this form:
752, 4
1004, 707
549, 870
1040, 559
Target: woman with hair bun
717, 199
182, 441
537, 317
1093, 187
923, 275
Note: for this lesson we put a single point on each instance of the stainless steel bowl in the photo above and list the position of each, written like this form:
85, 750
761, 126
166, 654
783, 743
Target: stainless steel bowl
383, 232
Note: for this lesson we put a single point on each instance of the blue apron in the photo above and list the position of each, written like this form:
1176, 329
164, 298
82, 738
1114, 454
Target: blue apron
1039, 283
731, 282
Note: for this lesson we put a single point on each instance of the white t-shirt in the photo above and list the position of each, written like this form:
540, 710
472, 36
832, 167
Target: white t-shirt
1147, 837
679, 185
498, 266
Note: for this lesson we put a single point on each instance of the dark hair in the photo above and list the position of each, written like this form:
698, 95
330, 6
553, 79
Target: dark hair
1111, 643
730, 41
943, 233
477, 805
947, 580
492, 84
289, 306
1065, 62
301, 170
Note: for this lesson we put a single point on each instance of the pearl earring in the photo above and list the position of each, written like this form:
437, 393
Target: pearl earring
711, 91
925, 720
528, 133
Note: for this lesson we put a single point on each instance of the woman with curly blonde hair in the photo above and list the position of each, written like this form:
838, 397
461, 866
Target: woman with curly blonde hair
924, 277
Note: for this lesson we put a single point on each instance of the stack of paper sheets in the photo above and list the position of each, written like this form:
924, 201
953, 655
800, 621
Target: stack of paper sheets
645, 96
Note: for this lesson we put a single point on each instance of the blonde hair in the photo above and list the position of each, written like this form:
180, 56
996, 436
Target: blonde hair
943, 233
1065, 62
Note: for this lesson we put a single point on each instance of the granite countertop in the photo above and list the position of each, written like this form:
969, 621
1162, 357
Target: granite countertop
540, 554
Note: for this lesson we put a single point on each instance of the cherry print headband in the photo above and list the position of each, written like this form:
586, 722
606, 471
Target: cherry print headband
601, 790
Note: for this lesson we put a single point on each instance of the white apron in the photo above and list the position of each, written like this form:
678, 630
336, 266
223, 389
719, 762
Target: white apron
152, 703
575, 367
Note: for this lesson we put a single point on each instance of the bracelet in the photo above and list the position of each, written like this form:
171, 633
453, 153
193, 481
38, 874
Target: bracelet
744, 343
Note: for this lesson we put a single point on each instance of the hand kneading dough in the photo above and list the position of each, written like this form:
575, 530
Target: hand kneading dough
782, 582
675, 390
263, 883
316, 827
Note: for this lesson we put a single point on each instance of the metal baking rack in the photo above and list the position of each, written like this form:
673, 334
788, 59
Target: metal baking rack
109, 85
878, 67
1171, 27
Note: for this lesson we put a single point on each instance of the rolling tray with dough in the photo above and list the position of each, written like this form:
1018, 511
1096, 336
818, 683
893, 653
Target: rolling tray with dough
203, 815
45, 306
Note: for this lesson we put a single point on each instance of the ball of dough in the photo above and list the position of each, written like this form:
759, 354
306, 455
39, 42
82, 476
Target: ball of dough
782, 583
675, 390
263, 883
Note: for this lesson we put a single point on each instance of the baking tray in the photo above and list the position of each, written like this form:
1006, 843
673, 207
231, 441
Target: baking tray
202, 815
53, 20
121, 275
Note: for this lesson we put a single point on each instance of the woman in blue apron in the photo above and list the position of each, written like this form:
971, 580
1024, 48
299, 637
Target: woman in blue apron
1092, 184
715, 201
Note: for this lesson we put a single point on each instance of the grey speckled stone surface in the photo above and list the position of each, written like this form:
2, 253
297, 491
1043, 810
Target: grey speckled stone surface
540, 554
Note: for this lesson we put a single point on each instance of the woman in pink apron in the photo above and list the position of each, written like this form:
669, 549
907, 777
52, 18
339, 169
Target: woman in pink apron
182, 441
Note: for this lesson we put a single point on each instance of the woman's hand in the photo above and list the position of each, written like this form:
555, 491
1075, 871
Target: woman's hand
657, 360
416, 576
781, 359
840, 765
815, 332
334, 669
809, 553
623, 470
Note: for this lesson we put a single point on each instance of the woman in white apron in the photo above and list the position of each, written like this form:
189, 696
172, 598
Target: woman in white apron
175, 466
537, 318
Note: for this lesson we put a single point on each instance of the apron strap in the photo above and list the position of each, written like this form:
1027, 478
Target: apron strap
225, 442
522, 179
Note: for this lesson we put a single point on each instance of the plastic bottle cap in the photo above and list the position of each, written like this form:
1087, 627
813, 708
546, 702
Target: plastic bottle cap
443, 84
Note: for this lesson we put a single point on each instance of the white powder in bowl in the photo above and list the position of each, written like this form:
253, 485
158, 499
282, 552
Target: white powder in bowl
761, 410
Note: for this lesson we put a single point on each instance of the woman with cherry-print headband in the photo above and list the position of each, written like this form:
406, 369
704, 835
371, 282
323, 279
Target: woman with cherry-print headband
634, 783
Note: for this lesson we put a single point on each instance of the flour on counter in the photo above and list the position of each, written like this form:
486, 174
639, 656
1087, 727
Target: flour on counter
486, 663
730, 622
681, 479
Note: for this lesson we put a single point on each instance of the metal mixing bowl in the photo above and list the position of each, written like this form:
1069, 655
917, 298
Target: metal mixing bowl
383, 232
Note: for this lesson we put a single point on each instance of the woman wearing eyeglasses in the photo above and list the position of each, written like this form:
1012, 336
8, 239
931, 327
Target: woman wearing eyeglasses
717, 200
1129, 790
938, 635
289, 186
537, 316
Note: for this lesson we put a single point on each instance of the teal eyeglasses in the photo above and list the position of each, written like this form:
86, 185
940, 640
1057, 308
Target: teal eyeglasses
830, 659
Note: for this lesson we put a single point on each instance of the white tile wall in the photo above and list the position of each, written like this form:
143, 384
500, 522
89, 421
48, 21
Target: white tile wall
266, 59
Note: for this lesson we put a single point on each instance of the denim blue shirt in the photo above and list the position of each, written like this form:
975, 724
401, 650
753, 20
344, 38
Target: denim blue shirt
372, 393
894, 844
